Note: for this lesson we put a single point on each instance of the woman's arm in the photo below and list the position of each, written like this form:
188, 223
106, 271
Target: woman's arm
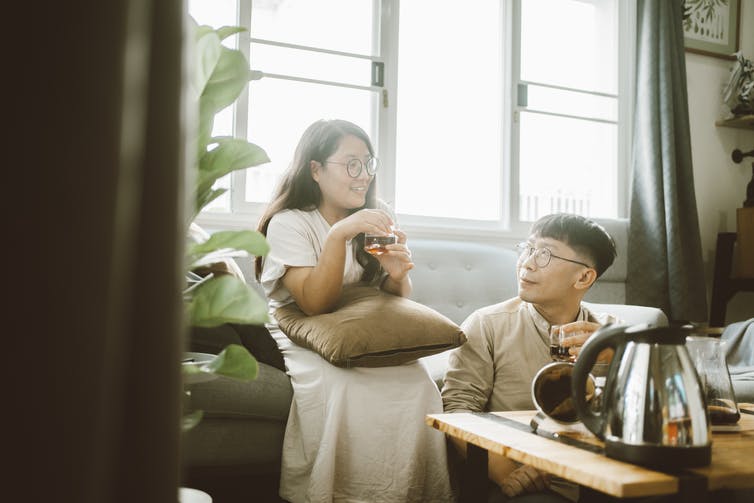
317, 289
402, 288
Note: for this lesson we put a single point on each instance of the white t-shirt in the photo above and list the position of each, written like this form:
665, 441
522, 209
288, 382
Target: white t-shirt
296, 239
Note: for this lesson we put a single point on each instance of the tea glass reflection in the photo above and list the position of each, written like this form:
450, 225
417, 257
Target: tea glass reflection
376, 243
552, 395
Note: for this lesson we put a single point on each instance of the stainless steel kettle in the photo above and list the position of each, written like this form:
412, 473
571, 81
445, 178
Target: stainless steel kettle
652, 410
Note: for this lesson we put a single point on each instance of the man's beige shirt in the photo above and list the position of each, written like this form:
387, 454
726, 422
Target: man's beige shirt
507, 344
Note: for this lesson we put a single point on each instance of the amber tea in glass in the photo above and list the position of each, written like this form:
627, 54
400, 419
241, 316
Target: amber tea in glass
375, 243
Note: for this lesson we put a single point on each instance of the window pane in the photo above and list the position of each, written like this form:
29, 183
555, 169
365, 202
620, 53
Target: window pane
341, 25
215, 13
571, 43
570, 103
312, 65
449, 114
567, 165
280, 111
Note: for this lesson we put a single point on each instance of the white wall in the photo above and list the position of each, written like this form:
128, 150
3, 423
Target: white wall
720, 183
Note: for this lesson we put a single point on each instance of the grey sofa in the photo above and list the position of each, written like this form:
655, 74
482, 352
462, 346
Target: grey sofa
241, 435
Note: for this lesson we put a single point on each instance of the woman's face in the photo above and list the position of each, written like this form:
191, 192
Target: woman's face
340, 191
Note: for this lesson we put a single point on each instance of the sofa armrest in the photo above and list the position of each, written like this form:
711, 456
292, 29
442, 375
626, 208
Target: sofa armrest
631, 314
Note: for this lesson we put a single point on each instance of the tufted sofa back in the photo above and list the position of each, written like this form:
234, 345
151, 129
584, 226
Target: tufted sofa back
458, 277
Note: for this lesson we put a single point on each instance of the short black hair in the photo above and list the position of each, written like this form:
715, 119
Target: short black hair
585, 236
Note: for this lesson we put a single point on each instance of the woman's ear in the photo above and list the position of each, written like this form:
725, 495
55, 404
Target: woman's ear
315, 168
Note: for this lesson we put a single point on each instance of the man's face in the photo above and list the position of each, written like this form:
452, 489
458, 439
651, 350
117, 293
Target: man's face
554, 282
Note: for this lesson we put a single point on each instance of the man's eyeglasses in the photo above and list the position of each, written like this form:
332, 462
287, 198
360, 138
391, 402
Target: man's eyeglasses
542, 256
354, 166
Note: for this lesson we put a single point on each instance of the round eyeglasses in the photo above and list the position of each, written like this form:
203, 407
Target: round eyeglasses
354, 166
542, 256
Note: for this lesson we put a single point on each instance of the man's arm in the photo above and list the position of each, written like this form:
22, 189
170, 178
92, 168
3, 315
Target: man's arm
467, 387
468, 382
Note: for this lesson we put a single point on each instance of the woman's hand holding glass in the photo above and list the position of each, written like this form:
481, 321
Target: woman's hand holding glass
396, 261
367, 221
396, 257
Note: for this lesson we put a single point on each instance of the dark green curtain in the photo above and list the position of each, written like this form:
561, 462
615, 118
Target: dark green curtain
95, 190
665, 267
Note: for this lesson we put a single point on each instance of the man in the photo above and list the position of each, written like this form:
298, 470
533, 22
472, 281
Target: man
509, 342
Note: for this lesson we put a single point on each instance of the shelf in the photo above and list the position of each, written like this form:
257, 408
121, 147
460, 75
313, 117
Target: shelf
743, 122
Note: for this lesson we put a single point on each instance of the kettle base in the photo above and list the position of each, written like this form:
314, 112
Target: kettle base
662, 457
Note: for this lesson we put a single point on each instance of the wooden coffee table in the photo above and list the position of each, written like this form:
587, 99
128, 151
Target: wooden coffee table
575, 454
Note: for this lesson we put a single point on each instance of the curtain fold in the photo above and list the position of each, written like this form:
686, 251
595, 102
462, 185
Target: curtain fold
95, 187
665, 267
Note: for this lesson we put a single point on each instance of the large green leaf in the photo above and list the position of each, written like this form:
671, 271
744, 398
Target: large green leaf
226, 299
234, 361
226, 31
206, 123
231, 154
230, 76
206, 196
252, 242
206, 57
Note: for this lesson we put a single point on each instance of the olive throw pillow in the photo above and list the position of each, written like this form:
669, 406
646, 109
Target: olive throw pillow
371, 328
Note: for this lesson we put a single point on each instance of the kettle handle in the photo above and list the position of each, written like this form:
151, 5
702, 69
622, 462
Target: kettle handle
608, 336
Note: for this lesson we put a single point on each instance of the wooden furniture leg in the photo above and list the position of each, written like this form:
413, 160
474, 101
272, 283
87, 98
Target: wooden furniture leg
721, 291
724, 287
474, 478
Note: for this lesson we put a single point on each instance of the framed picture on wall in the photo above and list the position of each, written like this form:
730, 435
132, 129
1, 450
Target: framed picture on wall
711, 27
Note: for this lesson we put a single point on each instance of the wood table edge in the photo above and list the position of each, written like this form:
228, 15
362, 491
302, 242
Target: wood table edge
665, 484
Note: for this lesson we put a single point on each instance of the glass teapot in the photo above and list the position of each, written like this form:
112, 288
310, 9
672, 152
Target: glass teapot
708, 356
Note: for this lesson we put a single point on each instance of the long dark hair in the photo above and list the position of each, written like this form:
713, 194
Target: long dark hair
298, 190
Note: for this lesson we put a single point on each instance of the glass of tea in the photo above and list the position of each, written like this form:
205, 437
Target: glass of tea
376, 243
558, 352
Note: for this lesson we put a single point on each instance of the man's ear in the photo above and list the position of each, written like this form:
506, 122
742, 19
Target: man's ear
315, 169
586, 279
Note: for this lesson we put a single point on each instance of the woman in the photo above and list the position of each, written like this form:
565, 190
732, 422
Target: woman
353, 434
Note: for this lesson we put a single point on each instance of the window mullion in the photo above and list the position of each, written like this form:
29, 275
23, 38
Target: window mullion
241, 108
515, 78
386, 103
626, 87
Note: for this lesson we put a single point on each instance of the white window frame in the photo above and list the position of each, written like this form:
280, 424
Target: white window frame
509, 228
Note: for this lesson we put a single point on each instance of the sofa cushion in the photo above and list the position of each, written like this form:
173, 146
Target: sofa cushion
371, 328
243, 422
268, 397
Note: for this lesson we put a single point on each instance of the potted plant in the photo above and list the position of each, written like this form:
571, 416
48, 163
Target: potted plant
213, 298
